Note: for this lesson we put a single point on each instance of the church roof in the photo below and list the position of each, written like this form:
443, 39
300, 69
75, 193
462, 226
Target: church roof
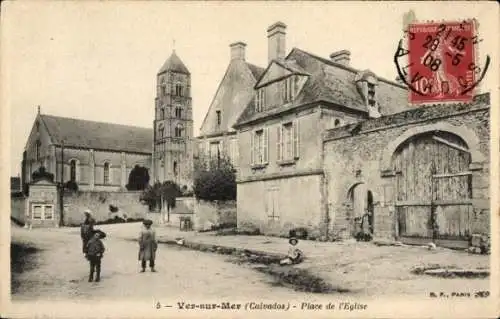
98, 135
174, 64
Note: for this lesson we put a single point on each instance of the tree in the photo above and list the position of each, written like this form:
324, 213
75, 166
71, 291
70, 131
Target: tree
214, 179
138, 179
161, 195
41, 173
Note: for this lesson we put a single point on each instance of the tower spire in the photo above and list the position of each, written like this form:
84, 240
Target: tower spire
173, 44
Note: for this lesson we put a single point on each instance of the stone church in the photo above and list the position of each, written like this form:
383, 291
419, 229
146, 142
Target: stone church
99, 156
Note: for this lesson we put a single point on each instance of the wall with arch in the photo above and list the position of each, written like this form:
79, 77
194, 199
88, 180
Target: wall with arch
362, 153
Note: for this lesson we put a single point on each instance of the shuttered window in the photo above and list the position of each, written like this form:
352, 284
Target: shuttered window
260, 146
279, 144
43, 212
296, 139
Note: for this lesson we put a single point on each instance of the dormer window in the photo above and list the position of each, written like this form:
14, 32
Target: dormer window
259, 100
289, 89
371, 94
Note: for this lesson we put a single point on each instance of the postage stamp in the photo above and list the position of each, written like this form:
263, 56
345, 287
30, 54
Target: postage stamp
442, 63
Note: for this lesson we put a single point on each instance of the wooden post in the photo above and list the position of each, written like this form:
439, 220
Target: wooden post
61, 189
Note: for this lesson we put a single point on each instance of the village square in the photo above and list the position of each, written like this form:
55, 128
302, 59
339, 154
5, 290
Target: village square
309, 177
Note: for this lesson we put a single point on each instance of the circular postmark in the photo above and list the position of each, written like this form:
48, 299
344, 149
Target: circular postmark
440, 61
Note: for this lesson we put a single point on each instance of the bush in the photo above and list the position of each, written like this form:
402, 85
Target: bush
214, 180
71, 185
41, 173
138, 179
300, 233
168, 191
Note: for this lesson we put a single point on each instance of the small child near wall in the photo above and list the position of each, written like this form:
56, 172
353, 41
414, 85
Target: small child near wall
294, 255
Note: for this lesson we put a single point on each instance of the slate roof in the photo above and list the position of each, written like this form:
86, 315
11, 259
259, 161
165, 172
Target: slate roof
231, 97
337, 88
98, 135
174, 64
257, 71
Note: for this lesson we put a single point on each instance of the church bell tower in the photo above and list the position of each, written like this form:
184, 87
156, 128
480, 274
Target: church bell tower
173, 124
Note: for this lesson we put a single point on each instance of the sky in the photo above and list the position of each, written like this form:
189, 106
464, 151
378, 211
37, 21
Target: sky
98, 60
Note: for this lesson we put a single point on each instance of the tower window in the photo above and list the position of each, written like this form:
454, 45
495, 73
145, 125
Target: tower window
161, 131
179, 89
178, 130
219, 118
175, 168
162, 113
178, 112
163, 87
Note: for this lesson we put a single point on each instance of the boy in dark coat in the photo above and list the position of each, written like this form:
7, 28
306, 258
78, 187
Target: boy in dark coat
147, 246
95, 251
87, 230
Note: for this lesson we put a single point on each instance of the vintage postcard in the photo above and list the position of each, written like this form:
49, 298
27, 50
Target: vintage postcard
183, 159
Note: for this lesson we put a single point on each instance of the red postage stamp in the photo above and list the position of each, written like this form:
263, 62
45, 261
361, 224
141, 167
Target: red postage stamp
442, 61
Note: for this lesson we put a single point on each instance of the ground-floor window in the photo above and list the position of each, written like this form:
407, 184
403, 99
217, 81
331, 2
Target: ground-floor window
43, 212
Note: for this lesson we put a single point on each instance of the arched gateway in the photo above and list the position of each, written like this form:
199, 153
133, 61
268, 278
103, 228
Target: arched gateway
433, 188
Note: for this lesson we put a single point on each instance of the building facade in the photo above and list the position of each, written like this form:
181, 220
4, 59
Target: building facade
217, 136
173, 124
94, 155
321, 143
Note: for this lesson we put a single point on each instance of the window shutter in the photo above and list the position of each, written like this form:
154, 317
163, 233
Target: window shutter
221, 149
296, 140
77, 171
265, 145
252, 147
279, 143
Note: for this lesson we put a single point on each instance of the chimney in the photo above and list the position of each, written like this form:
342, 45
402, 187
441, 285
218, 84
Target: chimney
276, 41
342, 57
238, 51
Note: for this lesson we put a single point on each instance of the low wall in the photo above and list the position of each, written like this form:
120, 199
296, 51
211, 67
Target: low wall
18, 208
184, 206
128, 204
209, 214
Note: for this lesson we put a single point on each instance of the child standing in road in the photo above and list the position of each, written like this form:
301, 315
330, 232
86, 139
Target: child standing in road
95, 252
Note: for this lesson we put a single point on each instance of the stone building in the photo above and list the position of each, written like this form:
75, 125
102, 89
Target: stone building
321, 143
95, 155
173, 124
217, 135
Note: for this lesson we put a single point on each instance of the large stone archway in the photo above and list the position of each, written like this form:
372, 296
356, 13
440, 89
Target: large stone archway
468, 135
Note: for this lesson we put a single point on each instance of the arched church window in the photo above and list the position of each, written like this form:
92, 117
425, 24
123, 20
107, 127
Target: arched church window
72, 170
38, 144
106, 178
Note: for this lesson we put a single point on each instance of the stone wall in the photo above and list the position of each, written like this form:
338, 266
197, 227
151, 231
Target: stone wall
99, 203
209, 214
361, 153
297, 202
184, 207
18, 208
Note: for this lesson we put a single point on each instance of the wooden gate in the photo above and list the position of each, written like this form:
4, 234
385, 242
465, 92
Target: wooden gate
433, 197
